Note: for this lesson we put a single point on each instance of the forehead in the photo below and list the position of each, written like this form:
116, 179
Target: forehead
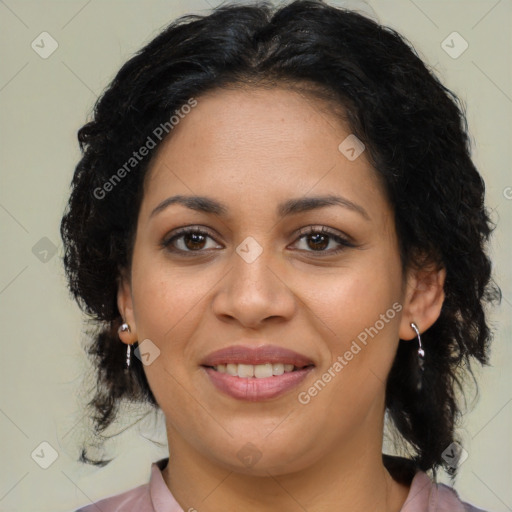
267, 143
246, 119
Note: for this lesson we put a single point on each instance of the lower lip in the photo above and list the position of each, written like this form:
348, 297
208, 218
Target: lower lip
253, 389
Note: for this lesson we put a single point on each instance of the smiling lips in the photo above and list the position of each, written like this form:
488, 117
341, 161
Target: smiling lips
256, 374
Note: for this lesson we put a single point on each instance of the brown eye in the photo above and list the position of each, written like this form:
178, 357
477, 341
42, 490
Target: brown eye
317, 240
194, 241
188, 240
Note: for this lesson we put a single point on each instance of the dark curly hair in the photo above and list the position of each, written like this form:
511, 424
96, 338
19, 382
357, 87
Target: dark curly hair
415, 133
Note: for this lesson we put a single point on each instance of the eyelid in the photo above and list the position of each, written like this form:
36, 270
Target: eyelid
188, 229
321, 229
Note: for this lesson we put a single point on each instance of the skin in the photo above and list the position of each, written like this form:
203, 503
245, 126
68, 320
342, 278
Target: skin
251, 149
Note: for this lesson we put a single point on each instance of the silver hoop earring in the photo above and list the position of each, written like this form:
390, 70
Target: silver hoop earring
421, 358
126, 328
421, 352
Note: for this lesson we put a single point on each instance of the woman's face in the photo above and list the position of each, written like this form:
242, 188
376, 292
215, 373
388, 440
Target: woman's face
331, 304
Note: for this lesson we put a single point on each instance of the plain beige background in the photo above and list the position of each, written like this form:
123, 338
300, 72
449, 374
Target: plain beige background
43, 101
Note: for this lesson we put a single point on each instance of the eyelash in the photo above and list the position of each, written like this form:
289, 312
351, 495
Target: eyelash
303, 232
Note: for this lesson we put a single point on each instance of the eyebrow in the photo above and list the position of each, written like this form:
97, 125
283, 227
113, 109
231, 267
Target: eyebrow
290, 207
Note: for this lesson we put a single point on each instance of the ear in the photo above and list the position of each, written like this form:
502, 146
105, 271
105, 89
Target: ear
125, 306
424, 298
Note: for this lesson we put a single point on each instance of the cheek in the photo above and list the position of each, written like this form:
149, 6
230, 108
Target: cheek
359, 308
167, 304
167, 308
353, 298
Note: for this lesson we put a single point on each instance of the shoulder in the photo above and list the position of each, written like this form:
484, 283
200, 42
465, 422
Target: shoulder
149, 497
426, 495
135, 499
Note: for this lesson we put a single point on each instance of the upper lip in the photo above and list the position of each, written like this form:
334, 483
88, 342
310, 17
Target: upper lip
256, 355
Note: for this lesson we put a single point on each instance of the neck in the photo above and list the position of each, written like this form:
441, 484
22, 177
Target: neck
349, 478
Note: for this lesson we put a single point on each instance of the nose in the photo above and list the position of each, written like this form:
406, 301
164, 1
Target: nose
254, 293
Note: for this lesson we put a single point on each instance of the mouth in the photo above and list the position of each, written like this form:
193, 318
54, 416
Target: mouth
256, 374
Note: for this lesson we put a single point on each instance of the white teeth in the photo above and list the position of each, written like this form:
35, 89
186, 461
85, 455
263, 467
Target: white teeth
277, 369
232, 369
245, 370
258, 371
263, 370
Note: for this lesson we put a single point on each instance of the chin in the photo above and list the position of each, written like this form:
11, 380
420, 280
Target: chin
264, 459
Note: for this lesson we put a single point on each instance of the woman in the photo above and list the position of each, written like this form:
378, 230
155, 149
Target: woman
278, 225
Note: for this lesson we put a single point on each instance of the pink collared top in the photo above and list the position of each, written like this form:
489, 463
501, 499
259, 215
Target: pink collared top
424, 496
